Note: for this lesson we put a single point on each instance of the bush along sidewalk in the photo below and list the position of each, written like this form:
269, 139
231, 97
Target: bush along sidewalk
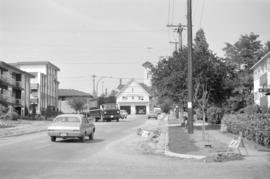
253, 127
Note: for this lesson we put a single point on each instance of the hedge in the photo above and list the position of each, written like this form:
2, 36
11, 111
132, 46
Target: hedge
253, 127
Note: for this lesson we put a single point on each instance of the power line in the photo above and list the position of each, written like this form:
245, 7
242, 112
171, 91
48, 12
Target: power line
196, 8
202, 13
169, 12
106, 63
97, 76
172, 12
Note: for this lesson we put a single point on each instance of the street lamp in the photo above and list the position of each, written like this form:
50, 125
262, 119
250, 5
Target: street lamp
101, 78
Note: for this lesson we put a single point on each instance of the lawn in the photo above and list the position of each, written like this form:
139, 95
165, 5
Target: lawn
180, 141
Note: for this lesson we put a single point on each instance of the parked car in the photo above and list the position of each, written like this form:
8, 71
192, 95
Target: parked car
71, 126
152, 115
123, 114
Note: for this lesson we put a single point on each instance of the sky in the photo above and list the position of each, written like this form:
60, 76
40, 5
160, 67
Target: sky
113, 38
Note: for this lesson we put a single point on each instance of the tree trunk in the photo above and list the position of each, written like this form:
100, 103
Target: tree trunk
203, 126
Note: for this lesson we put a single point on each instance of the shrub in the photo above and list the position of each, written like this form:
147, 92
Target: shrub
12, 116
214, 115
165, 104
253, 127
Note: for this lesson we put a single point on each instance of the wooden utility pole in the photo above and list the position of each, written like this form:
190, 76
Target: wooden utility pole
175, 45
179, 29
190, 86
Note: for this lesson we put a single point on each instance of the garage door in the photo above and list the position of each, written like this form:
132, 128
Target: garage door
127, 108
140, 109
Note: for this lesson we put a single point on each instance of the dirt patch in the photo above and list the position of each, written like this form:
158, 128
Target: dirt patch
180, 141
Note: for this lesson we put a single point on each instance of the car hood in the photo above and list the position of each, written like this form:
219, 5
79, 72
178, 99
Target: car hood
64, 126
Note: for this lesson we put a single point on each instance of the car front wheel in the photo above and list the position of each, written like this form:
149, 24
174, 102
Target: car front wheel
81, 138
91, 136
53, 138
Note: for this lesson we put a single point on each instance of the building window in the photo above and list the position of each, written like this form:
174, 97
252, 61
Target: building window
140, 98
132, 96
124, 98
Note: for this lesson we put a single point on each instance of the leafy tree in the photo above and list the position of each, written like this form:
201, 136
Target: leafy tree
243, 54
209, 74
78, 103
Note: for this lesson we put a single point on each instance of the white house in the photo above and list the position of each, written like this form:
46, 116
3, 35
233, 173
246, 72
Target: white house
134, 97
261, 80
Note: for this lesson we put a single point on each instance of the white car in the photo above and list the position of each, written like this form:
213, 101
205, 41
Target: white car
71, 126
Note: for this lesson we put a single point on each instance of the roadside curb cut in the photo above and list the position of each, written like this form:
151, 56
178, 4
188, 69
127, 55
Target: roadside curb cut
167, 152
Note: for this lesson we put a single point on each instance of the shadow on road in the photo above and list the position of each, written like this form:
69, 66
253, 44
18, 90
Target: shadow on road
86, 141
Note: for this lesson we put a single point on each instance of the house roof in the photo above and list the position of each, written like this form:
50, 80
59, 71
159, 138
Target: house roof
124, 87
6, 65
146, 88
37, 63
72, 93
262, 59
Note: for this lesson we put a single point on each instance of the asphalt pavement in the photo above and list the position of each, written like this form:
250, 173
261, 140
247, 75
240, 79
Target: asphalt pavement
114, 153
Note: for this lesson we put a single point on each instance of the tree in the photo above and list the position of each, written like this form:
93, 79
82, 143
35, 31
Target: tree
243, 54
78, 103
169, 76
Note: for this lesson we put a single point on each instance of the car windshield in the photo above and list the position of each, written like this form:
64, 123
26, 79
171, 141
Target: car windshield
110, 106
67, 119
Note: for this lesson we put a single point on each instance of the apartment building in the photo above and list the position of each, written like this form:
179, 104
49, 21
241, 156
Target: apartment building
15, 88
44, 85
261, 80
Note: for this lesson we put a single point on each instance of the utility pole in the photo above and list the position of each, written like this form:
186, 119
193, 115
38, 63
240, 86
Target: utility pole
94, 84
190, 87
175, 45
179, 29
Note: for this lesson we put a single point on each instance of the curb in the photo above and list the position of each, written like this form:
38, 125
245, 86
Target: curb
167, 152
20, 133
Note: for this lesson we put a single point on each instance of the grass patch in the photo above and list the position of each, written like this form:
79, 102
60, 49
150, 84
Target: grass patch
180, 141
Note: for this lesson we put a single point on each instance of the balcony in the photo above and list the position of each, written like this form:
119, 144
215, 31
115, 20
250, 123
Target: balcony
3, 98
34, 101
18, 101
4, 80
34, 86
10, 100
18, 84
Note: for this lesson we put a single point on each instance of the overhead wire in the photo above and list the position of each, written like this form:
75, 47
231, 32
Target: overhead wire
202, 13
168, 23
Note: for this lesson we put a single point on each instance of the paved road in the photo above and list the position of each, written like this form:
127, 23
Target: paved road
111, 155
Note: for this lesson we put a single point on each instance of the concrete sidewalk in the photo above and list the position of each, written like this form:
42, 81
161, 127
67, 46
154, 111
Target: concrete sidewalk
21, 127
219, 143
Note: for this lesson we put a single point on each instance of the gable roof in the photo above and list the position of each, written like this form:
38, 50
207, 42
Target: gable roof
258, 62
73, 93
146, 88
124, 87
